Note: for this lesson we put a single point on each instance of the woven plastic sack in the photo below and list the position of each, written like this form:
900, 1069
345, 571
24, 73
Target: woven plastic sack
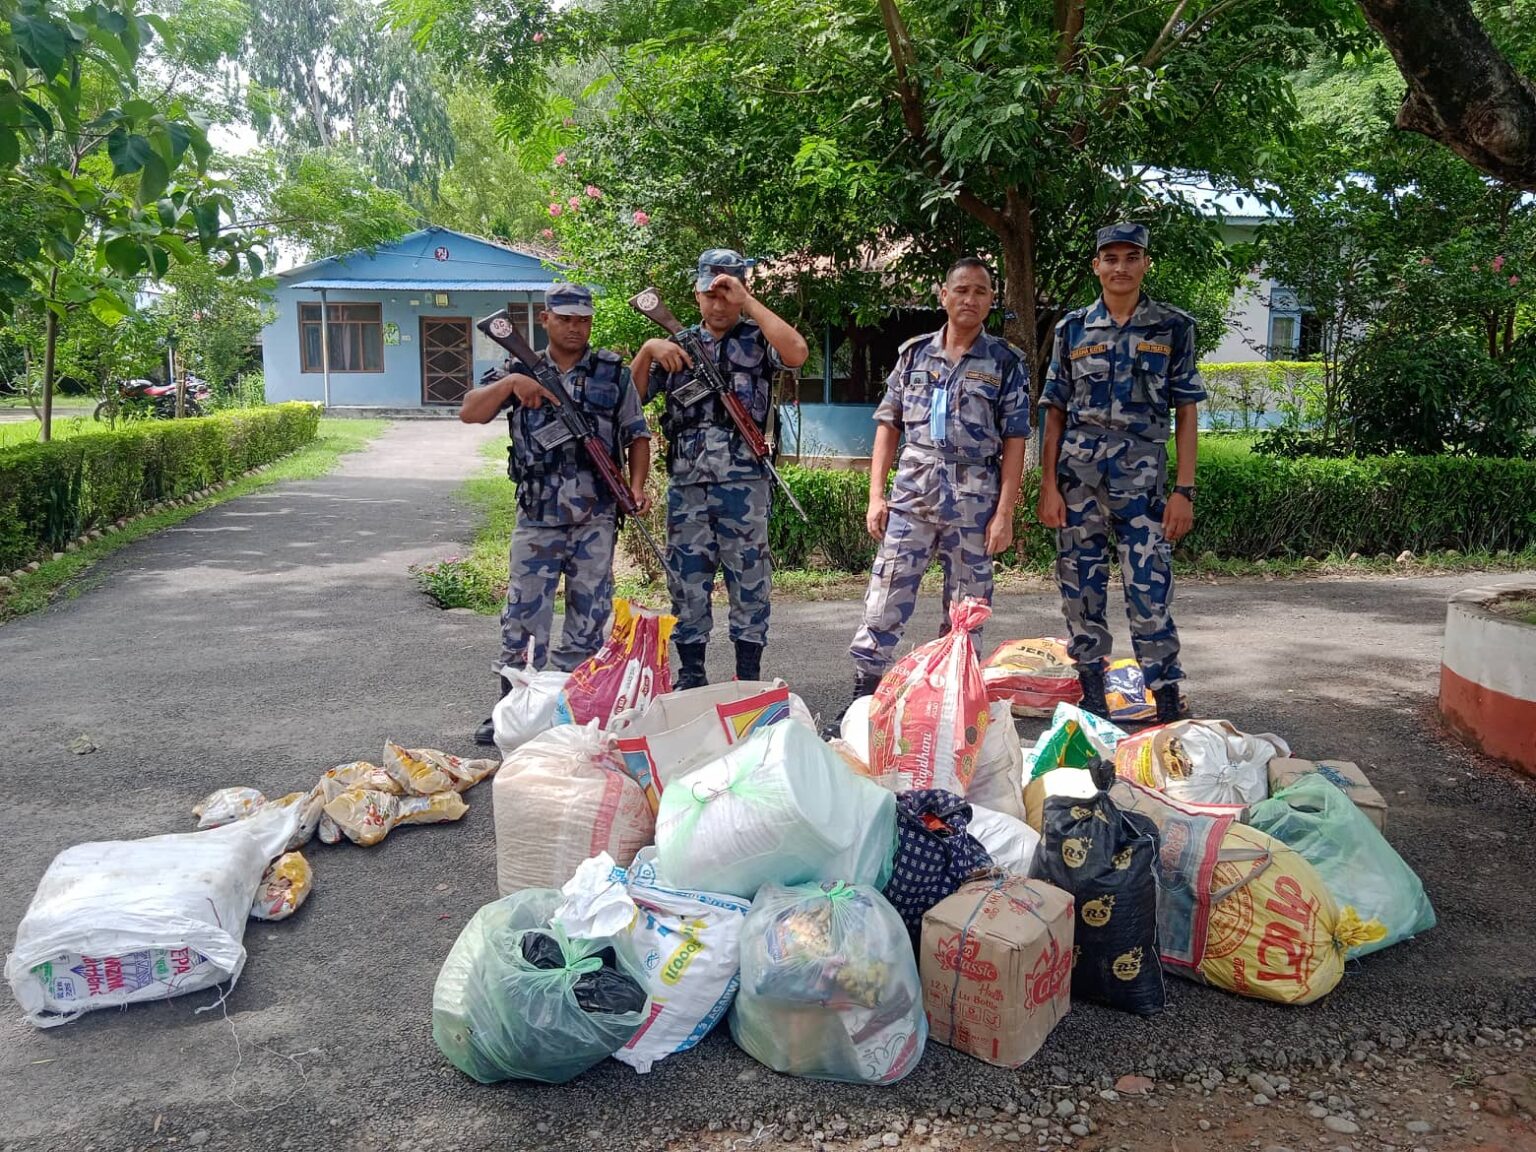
528, 708
680, 731
1106, 860
930, 712
934, 853
628, 671
560, 799
1074, 739
1010, 842
1201, 761
1278, 935
1032, 676
1126, 692
496, 1016
779, 808
829, 985
999, 783
120, 922
1354, 860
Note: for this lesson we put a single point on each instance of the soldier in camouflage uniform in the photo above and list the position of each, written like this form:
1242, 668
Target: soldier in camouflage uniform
1119, 368
717, 495
566, 519
960, 398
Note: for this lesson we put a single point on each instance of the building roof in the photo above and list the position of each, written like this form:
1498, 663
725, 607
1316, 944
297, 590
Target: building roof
431, 258
425, 285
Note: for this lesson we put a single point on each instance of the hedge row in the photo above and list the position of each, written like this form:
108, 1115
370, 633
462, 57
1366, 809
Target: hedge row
1248, 508
50, 493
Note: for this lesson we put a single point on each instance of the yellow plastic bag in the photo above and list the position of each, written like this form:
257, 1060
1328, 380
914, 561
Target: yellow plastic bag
1279, 936
365, 817
285, 885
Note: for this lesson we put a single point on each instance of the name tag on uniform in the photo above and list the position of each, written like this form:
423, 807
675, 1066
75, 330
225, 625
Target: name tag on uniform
984, 377
1088, 350
1148, 346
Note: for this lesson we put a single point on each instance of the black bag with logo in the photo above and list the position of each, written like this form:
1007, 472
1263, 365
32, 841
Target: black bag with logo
1107, 860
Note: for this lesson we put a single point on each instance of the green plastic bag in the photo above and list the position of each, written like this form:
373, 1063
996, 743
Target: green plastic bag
1361, 870
781, 807
1074, 740
497, 1017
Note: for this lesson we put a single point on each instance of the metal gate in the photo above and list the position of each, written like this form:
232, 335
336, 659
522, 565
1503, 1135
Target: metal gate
447, 359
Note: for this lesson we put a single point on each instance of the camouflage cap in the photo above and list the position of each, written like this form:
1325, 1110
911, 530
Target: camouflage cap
1123, 233
720, 261
568, 300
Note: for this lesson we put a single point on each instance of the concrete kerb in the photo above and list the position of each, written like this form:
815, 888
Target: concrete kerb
1488, 674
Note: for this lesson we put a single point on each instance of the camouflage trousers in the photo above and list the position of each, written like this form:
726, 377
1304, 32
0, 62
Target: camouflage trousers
713, 528
906, 552
541, 555
1118, 483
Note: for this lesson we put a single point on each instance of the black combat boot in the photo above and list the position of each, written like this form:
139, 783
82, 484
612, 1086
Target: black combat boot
1169, 705
864, 684
690, 667
486, 733
1092, 680
749, 660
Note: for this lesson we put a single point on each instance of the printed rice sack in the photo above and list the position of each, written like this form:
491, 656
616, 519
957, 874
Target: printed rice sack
628, 671
561, 798
1125, 691
680, 731
1201, 761
929, 714
1355, 861
1031, 676
1106, 860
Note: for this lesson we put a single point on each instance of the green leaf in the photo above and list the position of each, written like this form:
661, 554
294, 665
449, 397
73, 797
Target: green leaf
159, 261
42, 40
253, 262
124, 255
114, 47
40, 115
157, 176
206, 213
109, 308
129, 152
10, 148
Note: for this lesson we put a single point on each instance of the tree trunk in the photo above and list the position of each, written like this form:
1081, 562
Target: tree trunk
1018, 244
50, 345
1462, 91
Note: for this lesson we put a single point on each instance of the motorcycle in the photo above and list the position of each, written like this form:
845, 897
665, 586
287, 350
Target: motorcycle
146, 398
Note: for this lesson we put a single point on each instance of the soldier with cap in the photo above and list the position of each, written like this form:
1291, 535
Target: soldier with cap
717, 496
566, 519
1119, 368
960, 398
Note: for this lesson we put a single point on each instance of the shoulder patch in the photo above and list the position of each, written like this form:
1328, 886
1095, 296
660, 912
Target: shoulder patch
916, 340
610, 356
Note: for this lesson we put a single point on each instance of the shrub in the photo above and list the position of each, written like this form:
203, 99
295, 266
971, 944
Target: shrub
50, 493
249, 391
1242, 393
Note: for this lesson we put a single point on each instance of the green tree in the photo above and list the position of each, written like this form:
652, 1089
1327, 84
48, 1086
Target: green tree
217, 320
485, 191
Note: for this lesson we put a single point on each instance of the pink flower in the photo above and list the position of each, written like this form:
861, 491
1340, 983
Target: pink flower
548, 233
1474, 267
1498, 263
574, 201
560, 160
594, 191
1425, 260
642, 219
538, 37
569, 122
1513, 280
554, 208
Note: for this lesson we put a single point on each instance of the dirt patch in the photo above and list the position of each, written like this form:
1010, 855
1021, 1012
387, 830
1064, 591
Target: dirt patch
1517, 605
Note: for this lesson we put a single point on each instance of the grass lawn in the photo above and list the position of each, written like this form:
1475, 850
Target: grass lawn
63, 576
64, 427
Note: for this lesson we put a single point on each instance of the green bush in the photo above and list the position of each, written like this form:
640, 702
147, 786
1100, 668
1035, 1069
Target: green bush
1249, 508
1242, 393
50, 493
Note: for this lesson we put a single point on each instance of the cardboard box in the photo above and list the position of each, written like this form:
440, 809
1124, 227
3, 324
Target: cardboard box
996, 966
1346, 776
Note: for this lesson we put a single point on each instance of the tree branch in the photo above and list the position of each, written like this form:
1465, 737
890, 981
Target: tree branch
1462, 91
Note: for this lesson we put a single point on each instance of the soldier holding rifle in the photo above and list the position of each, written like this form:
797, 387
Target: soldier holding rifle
718, 492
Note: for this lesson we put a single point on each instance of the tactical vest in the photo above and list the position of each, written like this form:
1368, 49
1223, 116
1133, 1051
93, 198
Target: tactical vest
746, 364
541, 446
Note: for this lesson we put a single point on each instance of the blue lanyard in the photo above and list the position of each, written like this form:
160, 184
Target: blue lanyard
938, 405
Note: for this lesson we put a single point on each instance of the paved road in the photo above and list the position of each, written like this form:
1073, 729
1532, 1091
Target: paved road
17, 415
269, 638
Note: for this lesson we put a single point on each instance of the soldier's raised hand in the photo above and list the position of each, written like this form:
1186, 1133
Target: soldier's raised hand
733, 289
529, 392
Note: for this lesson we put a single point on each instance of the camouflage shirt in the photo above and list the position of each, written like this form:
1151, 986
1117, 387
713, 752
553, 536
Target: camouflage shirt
556, 483
703, 446
954, 419
1123, 379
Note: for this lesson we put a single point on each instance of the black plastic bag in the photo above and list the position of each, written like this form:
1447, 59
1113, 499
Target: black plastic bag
605, 989
1107, 860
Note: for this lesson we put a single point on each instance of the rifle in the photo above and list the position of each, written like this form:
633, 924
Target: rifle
501, 328
706, 372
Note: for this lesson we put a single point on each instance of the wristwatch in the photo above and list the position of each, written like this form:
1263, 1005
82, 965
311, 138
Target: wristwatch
1185, 490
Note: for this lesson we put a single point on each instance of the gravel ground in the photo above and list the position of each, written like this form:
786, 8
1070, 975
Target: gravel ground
271, 637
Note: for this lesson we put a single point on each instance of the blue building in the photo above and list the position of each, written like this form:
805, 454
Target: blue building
395, 327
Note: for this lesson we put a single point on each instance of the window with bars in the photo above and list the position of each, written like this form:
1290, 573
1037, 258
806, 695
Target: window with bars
356, 338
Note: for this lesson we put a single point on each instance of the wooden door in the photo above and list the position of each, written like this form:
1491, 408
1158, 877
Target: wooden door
447, 359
